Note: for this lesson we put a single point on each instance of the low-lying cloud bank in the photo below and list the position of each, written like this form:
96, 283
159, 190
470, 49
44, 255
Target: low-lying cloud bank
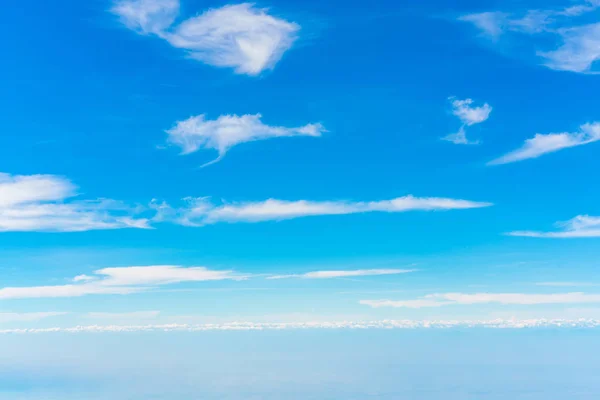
383, 324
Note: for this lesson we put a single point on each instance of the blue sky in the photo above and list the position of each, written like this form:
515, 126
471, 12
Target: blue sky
211, 162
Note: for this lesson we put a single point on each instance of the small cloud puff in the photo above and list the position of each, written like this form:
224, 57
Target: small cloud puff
469, 115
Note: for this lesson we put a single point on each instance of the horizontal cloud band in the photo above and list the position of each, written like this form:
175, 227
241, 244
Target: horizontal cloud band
202, 212
384, 324
448, 299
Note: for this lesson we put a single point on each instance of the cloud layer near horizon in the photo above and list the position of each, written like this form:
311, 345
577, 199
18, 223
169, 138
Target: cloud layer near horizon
449, 299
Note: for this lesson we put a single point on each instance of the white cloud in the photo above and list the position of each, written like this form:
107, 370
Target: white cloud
469, 115
580, 42
490, 23
543, 144
27, 317
222, 134
147, 16
582, 226
445, 299
201, 211
511, 323
579, 51
459, 137
122, 280
239, 36
43, 203
343, 274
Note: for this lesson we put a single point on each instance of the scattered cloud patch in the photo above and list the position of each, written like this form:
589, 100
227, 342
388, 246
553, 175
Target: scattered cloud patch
579, 41
201, 211
544, 144
343, 274
122, 280
469, 115
512, 323
579, 51
241, 36
45, 203
227, 131
582, 226
448, 299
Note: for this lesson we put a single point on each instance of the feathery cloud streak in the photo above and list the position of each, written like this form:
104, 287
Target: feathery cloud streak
579, 43
240, 36
201, 211
121, 280
227, 131
448, 299
582, 226
469, 115
343, 274
543, 144
43, 203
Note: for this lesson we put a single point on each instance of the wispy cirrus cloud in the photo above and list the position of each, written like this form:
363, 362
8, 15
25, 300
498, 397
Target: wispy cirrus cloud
227, 131
566, 284
449, 299
469, 115
240, 36
46, 203
578, 41
200, 211
6, 317
582, 226
122, 280
542, 144
343, 274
